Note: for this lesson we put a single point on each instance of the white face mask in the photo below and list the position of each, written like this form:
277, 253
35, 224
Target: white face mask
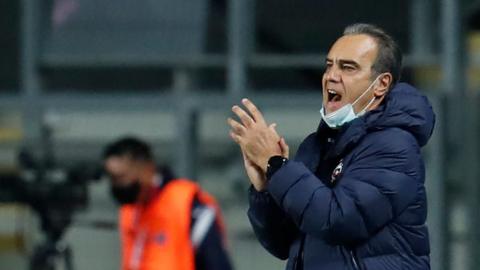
346, 113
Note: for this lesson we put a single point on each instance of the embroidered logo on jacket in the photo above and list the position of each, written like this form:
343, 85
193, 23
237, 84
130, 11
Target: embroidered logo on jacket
336, 172
160, 238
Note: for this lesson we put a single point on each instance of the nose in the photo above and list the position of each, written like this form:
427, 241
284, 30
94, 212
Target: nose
332, 74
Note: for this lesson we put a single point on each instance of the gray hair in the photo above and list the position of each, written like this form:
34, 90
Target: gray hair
389, 56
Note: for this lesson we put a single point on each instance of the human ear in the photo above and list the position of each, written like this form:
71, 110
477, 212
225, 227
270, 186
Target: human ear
383, 84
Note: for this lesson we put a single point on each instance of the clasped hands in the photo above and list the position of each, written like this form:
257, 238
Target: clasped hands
258, 141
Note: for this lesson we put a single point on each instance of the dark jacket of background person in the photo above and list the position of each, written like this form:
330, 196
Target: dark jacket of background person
353, 198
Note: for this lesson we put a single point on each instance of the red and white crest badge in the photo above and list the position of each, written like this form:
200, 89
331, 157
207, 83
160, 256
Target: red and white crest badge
336, 172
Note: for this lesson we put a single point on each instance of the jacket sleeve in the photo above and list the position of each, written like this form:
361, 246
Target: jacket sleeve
210, 253
273, 228
381, 180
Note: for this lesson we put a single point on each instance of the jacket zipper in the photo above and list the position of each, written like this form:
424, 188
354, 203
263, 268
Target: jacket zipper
355, 264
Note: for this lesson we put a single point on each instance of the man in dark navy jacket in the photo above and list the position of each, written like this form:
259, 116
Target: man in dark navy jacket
354, 196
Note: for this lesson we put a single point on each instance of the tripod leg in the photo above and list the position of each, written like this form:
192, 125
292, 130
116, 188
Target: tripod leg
43, 258
68, 258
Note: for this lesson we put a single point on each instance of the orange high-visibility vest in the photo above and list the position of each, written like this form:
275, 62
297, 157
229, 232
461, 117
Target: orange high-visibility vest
157, 236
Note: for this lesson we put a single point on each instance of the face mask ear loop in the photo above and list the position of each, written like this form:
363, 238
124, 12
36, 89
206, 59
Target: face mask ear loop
366, 91
362, 112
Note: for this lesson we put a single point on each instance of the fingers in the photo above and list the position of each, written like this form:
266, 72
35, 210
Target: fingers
252, 116
256, 114
246, 119
285, 148
235, 137
237, 128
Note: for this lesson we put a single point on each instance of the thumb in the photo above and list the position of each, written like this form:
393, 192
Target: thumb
285, 148
272, 126
246, 159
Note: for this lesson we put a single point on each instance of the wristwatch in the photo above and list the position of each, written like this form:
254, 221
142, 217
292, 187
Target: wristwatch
274, 164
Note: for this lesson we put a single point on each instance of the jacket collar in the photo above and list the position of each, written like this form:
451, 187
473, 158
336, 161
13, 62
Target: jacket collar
345, 138
349, 135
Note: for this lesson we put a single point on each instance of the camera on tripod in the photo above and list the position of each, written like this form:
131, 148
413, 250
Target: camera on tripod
55, 194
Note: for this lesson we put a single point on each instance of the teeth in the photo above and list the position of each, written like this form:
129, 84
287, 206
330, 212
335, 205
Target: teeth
333, 92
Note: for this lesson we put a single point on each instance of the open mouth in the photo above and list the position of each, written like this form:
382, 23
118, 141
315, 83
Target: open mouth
333, 96
334, 100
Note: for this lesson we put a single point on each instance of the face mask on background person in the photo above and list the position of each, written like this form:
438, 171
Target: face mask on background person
346, 113
126, 194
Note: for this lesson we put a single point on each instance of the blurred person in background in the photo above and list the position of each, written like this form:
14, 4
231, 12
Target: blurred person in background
165, 223
354, 196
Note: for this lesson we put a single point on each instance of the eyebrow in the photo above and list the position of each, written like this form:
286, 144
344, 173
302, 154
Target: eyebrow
344, 61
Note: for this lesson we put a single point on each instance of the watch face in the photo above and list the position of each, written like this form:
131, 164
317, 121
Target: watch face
274, 163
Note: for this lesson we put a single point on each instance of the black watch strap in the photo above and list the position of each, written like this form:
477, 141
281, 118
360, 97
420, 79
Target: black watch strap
274, 164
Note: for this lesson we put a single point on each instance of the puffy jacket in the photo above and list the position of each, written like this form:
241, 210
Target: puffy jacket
353, 198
